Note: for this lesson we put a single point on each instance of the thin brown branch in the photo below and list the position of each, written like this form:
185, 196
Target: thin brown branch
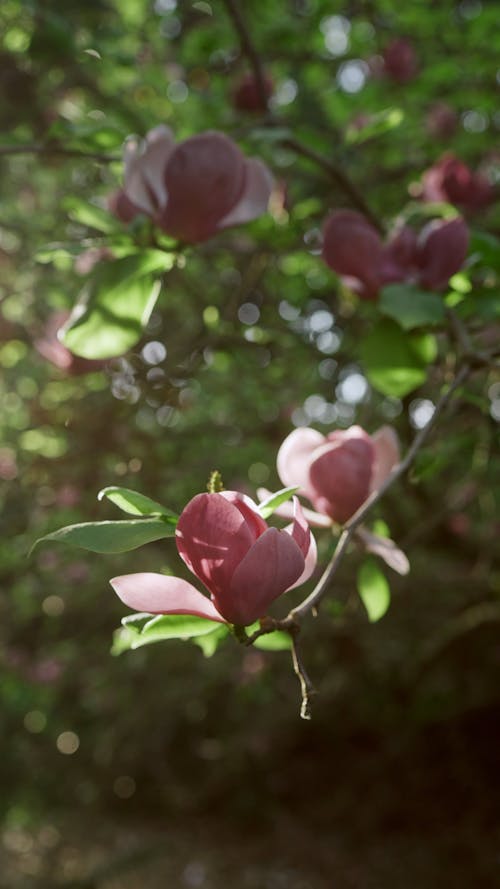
248, 49
337, 175
307, 689
6, 150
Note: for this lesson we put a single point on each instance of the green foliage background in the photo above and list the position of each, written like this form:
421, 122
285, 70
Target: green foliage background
219, 737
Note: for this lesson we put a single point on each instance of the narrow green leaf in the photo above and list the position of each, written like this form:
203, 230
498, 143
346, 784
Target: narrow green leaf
210, 643
134, 503
411, 307
110, 537
374, 590
115, 305
377, 125
267, 507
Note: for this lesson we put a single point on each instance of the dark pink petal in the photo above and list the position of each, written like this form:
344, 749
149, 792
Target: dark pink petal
249, 511
247, 96
294, 457
270, 567
387, 455
442, 251
159, 594
120, 205
212, 538
340, 475
449, 179
255, 197
399, 255
400, 61
205, 179
352, 247
145, 164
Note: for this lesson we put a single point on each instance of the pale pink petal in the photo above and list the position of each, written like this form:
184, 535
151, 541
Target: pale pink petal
385, 549
255, 198
285, 511
120, 205
272, 565
340, 476
294, 457
387, 455
145, 164
339, 436
160, 594
310, 561
205, 179
212, 538
300, 529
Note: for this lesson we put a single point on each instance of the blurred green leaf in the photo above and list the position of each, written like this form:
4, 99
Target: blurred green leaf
91, 215
267, 507
374, 590
396, 362
115, 305
110, 537
376, 125
136, 504
411, 307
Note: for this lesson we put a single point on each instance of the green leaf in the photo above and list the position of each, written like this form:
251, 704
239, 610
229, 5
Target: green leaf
134, 503
115, 305
277, 641
111, 537
91, 216
144, 629
374, 590
267, 507
377, 125
396, 362
210, 643
411, 307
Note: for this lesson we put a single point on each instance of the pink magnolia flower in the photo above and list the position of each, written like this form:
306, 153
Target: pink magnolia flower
400, 60
353, 248
449, 179
242, 562
337, 472
193, 189
247, 97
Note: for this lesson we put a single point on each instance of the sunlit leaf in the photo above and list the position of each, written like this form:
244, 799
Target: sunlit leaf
111, 537
115, 305
270, 505
396, 362
411, 307
374, 590
134, 503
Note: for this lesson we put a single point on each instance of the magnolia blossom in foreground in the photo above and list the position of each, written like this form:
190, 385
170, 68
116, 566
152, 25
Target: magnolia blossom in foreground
449, 179
242, 562
337, 473
193, 189
353, 248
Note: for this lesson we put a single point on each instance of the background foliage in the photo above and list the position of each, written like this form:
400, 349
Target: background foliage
251, 334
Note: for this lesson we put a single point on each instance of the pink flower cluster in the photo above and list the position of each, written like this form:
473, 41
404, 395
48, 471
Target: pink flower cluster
353, 248
449, 179
228, 546
194, 189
